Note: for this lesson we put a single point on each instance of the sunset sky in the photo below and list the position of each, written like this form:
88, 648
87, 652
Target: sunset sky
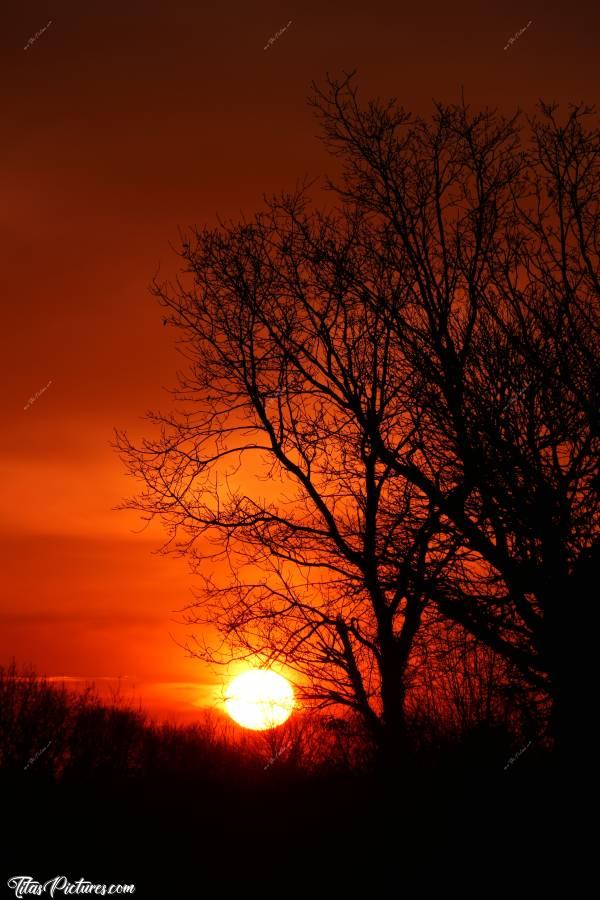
122, 123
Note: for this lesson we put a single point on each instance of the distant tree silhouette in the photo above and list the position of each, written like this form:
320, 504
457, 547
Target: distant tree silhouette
51, 733
415, 376
492, 238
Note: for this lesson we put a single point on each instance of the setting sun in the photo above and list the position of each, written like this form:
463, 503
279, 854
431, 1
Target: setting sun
259, 699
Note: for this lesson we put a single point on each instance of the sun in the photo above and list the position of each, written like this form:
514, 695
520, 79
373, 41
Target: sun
259, 699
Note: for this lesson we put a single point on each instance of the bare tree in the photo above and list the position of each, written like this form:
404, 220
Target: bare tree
273, 465
415, 379
492, 233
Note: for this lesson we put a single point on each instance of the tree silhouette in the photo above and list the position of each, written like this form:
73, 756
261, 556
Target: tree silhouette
414, 376
493, 236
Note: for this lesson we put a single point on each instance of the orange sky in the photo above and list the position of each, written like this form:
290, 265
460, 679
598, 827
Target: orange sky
121, 123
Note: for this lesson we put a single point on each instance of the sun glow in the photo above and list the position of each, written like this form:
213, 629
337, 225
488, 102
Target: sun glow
259, 699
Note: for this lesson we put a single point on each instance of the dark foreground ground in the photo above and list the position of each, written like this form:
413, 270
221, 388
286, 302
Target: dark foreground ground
487, 832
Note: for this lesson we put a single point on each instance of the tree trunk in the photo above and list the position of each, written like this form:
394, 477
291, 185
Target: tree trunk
574, 719
394, 745
569, 645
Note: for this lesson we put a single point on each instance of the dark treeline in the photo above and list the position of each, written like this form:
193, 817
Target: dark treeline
95, 788
468, 718
48, 731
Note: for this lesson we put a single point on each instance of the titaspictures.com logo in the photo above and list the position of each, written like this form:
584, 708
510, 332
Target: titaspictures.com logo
26, 886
